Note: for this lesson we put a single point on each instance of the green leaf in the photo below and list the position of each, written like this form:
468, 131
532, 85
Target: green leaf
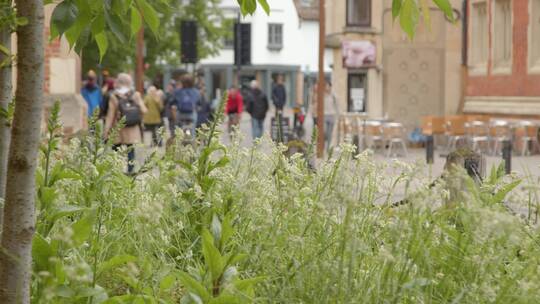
115, 25
408, 17
265, 6
102, 43
446, 7
426, 14
115, 262
501, 194
98, 25
226, 299
193, 286
167, 282
136, 21
82, 229
396, 8
41, 252
149, 15
64, 291
247, 6
211, 255
215, 227
64, 211
226, 230
243, 285
64, 16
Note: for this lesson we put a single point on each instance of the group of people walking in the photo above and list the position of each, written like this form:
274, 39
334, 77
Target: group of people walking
181, 106
184, 106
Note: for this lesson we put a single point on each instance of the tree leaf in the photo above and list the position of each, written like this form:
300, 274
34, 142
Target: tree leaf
408, 17
396, 8
265, 6
98, 25
211, 254
115, 25
102, 43
149, 15
446, 7
136, 21
426, 14
64, 16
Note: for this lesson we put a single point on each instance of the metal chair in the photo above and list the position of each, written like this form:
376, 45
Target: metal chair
478, 132
455, 131
373, 134
395, 134
526, 134
500, 131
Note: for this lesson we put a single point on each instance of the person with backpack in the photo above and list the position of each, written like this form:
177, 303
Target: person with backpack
257, 106
234, 108
204, 109
125, 105
184, 108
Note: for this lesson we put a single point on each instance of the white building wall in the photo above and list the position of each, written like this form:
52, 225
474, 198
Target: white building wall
300, 38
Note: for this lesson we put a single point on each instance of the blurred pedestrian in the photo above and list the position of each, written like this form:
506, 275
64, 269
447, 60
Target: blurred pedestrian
152, 119
204, 109
234, 108
184, 109
91, 92
168, 100
331, 111
127, 105
106, 90
279, 94
257, 107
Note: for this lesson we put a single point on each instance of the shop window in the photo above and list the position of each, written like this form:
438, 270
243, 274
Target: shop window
479, 34
502, 38
275, 36
534, 50
357, 92
358, 12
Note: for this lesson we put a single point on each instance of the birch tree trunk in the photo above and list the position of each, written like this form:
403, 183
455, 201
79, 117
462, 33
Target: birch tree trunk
19, 210
5, 97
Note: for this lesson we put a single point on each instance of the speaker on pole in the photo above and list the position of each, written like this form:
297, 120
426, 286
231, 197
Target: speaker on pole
242, 44
188, 32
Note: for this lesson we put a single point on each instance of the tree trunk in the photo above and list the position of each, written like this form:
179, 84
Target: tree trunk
19, 210
5, 97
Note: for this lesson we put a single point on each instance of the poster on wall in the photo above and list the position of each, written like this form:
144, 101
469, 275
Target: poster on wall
357, 97
358, 54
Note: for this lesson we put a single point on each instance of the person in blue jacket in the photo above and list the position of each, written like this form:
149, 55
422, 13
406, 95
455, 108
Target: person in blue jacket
91, 92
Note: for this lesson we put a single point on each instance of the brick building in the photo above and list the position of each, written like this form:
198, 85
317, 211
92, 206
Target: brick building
503, 57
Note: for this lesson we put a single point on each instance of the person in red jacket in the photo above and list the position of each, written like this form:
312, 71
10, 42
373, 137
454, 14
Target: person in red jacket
234, 107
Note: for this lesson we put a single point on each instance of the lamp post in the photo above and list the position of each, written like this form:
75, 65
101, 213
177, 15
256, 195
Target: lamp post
321, 81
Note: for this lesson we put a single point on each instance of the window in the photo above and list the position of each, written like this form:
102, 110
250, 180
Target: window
275, 36
357, 95
358, 12
534, 49
479, 35
502, 38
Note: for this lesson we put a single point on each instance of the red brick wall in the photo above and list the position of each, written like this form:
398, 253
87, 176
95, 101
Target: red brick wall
519, 83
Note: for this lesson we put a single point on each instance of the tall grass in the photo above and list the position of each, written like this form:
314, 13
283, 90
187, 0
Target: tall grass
330, 235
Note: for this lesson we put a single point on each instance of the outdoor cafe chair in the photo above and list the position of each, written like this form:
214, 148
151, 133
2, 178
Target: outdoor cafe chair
525, 132
395, 134
478, 132
455, 131
373, 134
500, 131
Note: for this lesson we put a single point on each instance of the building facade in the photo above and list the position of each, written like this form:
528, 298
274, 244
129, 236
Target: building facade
503, 57
406, 79
284, 42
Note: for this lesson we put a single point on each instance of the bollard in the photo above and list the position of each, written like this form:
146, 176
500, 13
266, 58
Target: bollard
507, 156
429, 149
